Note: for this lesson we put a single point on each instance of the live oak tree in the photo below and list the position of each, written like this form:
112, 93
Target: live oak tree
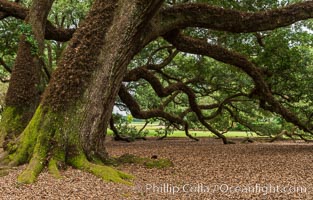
70, 123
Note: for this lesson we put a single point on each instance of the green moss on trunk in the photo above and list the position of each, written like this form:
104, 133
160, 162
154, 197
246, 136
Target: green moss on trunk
52, 139
11, 124
54, 169
23, 95
28, 140
73, 114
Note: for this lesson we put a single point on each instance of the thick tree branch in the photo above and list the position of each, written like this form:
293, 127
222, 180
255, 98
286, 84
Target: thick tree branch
219, 106
211, 17
52, 33
3, 15
161, 91
58, 34
262, 90
222, 104
236, 118
13, 9
136, 111
117, 135
168, 48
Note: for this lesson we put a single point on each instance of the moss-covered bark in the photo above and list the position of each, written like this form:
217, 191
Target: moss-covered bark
10, 125
27, 80
51, 140
70, 124
23, 94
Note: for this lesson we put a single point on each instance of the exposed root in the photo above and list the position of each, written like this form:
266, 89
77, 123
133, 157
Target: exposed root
31, 172
54, 169
28, 140
34, 167
41, 145
56, 162
37, 161
5, 159
104, 172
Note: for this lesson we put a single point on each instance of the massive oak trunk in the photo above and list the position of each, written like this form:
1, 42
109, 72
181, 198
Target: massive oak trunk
70, 124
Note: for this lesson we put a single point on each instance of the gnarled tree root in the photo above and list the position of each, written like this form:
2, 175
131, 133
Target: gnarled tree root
41, 145
106, 173
54, 169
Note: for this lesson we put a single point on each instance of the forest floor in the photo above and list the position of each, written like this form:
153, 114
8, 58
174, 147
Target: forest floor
202, 170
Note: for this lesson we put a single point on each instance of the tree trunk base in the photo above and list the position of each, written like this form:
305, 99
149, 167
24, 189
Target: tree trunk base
42, 144
37, 164
106, 173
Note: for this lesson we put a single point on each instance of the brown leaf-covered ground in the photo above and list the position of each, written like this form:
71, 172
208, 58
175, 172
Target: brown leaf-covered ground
203, 170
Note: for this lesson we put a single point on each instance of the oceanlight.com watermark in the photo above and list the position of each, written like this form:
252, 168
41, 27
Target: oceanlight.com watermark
264, 189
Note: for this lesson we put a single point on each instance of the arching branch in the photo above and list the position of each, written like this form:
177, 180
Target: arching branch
161, 91
212, 17
236, 118
219, 106
136, 111
117, 135
13, 9
18, 11
261, 91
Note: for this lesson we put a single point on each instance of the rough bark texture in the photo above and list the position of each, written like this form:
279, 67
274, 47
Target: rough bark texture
37, 17
70, 124
27, 81
23, 94
13, 9
22, 90
207, 16
98, 67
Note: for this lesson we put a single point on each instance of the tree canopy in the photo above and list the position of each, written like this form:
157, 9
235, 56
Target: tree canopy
217, 65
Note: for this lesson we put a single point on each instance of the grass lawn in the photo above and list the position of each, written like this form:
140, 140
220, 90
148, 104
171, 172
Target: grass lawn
177, 133
204, 134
